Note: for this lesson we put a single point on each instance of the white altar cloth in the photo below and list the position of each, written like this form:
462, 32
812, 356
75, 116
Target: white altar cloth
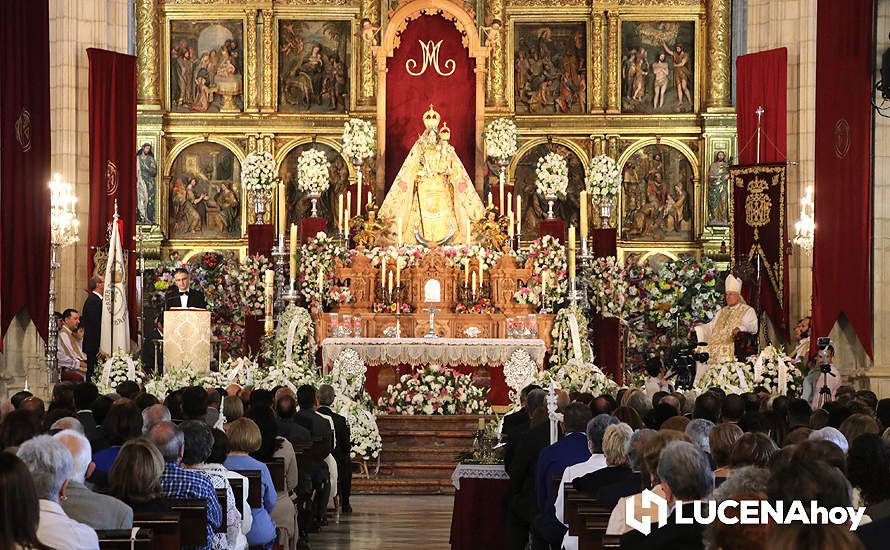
478, 471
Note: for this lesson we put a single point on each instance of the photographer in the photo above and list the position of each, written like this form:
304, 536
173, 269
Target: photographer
822, 374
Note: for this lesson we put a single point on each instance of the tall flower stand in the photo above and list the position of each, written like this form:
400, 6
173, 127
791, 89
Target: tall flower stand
606, 331
260, 238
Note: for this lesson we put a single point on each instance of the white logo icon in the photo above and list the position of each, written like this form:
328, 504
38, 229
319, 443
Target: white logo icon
649, 500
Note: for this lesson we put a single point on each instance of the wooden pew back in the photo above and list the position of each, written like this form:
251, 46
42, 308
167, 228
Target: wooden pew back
164, 527
254, 487
120, 539
192, 519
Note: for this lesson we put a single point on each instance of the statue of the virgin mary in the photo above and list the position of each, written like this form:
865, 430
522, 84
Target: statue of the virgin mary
432, 196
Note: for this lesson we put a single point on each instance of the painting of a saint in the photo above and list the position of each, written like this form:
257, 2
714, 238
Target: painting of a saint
205, 193
718, 191
298, 203
146, 185
657, 196
206, 66
313, 66
657, 67
550, 68
534, 207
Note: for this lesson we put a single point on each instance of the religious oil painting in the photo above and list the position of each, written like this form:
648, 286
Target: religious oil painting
205, 193
146, 184
550, 68
657, 67
298, 203
313, 66
206, 61
657, 195
534, 207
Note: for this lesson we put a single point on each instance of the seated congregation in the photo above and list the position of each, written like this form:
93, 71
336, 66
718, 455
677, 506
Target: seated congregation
576, 493
254, 469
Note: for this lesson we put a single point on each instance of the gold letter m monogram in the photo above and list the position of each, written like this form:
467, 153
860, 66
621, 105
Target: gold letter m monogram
430, 57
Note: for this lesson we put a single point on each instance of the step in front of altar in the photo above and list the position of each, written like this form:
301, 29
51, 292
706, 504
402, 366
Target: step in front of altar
419, 454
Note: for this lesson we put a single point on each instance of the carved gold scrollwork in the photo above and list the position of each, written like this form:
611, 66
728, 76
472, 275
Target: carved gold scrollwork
250, 49
614, 59
718, 46
497, 63
369, 33
147, 51
598, 53
269, 102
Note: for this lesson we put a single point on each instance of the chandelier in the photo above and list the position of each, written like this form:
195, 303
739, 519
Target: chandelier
805, 227
63, 215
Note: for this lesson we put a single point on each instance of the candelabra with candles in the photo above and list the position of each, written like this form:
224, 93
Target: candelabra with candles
805, 227
280, 253
64, 226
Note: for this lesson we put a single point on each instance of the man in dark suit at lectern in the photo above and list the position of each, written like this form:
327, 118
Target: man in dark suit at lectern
183, 296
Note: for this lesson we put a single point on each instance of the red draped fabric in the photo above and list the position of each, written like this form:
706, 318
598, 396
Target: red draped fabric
606, 330
113, 157
408, 97
25, 161
843, 209
762, 82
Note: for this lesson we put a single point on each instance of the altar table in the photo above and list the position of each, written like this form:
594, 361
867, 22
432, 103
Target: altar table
477, 519
403, 355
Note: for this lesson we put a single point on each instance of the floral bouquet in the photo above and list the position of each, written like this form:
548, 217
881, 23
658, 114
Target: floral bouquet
363, 432
249, 279
552, 174
406, 255
318, 256
359, 139
578, 376
241, 371
456, 254
258, 171
603, 177
545, 255
313, 171
401, 307
519, 372
482, 305
611, 289
562, 348
348, 373
501, 139
290, 374
729, 376
434, 390
120, 367
173, 379
777, 372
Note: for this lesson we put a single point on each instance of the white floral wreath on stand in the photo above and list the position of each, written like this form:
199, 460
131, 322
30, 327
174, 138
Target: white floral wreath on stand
120, 367
348, 373
519, 371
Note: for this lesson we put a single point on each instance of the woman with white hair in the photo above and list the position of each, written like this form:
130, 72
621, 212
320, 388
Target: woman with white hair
50, 463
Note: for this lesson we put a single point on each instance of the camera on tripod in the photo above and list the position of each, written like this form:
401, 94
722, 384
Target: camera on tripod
824, 343
681, 362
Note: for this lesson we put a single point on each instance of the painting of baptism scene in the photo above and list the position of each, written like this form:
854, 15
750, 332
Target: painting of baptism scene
445, 274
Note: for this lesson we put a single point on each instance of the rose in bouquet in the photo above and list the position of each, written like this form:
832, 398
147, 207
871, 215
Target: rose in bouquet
363, 431
455, 255
434, 390
249, 280
563, 349
547, 259
313, 171
610, 288
258, 171
241, 371
501, 139
318, 257
291, 374
603, 177
552, 173
359, 139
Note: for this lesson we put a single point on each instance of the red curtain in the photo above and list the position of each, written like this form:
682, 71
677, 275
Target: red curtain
843, 209
762, 82
25, 163
408, 97
113, 157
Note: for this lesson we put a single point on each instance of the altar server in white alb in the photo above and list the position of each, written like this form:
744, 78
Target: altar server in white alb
736, 316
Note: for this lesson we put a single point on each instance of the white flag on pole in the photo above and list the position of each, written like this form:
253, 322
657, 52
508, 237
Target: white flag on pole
115, 321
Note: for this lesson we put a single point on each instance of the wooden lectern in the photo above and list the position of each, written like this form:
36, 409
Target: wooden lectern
187, 340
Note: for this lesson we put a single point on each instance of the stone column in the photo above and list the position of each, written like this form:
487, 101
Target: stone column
147, 53
613, 76
719, 38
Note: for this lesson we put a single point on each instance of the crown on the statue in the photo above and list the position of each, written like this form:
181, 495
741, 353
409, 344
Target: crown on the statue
445, 132
431, 119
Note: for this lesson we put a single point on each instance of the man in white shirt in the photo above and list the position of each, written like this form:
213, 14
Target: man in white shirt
72, 361
815, 380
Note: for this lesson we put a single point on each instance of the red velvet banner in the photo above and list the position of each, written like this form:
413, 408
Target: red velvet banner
843, 209
762, 84
113, 157
25, 161
408, 97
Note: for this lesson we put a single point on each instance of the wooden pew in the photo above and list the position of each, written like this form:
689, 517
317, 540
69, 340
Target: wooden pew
224, 518
276, 470
254, 487
119, 539
586, 519
238, 491
164, 527
611, 542
193, 520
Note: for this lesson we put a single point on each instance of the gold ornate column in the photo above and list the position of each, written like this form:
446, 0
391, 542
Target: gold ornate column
596, 65
496, 39
613, 81
250, 62
718, 54
599, 144
367, 84
612, 148
147, 52
269, 102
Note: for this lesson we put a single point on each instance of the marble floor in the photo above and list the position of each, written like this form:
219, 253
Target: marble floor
390, 522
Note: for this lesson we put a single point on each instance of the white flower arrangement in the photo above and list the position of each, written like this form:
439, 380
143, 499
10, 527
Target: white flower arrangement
319, 254
175, 379
580, 377
250, 284
552, 174
519, 371
359, 139
610, 289
777, 372
562, 348
729, 376
434, 390
258, 171
289, 374
406, 255
120, 367
348, 373
456, 254
363, 431
603, 177
313, 171
299, 347
501, 139
241, 370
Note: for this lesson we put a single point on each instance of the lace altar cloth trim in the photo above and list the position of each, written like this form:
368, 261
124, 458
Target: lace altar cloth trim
427, 351
478, 471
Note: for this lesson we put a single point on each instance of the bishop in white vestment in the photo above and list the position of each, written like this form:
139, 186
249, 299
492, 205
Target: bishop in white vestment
736, 316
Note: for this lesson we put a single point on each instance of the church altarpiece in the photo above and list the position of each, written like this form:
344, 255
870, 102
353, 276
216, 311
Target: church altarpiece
221, 78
